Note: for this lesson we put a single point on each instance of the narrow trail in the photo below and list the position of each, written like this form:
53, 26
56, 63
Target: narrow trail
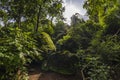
36, 74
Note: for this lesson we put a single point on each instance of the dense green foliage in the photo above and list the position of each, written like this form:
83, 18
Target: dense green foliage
89, 49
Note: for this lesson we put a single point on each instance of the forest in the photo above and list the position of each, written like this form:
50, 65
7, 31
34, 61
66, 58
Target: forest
34, 33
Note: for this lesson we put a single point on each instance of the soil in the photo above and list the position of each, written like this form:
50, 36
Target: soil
36, 74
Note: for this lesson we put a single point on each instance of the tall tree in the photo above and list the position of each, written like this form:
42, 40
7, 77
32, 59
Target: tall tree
97, 9
33, 11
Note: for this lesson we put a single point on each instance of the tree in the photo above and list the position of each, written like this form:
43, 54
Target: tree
60, 29
75, 19
32, 11
19, 45
97, 9
112, 21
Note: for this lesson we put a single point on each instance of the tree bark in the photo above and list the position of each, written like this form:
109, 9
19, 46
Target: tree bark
38, 17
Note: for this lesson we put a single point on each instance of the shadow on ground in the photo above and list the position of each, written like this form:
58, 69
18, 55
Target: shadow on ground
36, 74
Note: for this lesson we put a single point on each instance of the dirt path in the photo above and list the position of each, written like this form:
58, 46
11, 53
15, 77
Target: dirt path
36, 74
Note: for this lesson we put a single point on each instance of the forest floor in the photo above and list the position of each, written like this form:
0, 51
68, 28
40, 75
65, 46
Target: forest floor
36, 74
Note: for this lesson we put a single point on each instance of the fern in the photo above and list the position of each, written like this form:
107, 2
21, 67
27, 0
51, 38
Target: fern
48, 43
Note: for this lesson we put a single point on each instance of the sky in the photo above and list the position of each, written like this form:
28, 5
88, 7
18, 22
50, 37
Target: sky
72, 7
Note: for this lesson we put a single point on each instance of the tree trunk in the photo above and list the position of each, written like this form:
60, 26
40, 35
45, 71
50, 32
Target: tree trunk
38, 17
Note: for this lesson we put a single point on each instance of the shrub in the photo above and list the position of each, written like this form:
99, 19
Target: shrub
15, 47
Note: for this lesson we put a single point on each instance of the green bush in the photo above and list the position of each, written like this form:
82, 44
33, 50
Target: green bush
15, 49
61, 62
91, 67
108, 48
